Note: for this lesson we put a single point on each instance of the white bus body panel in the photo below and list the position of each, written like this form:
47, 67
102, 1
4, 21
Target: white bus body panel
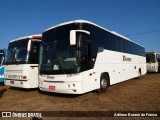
110, 62
152, 67
13, 75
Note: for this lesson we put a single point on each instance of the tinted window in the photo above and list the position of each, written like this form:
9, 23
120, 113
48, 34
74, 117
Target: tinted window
109, 41
150, 58
34, 53
1, 58
17, 52
61, 56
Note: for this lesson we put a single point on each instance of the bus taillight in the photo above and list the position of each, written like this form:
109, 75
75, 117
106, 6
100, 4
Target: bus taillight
24, 77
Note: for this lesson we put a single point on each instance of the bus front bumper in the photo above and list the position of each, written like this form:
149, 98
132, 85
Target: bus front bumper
151, 70
61, 87
18, 83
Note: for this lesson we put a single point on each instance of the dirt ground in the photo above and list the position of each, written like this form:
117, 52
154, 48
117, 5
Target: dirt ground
133, 95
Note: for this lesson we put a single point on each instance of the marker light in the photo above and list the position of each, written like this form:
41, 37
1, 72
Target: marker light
37, 37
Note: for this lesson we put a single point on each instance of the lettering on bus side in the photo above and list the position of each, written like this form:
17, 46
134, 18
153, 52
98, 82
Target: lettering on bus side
126, 58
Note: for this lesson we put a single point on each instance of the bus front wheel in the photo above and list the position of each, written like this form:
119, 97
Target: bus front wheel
104, 82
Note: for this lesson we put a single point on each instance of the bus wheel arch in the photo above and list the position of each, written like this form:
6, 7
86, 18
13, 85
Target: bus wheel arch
104, 82
139, 73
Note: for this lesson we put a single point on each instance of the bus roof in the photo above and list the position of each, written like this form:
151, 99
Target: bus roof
85, 21
152, 52
37, 36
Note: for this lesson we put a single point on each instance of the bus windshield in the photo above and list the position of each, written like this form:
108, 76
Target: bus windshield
1, 59
17, 52
150, 58
60, 57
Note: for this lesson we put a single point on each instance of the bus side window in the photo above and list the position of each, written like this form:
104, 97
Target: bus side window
35, 53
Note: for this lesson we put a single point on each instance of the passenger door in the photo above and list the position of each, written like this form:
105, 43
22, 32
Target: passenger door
89, 80
34, 56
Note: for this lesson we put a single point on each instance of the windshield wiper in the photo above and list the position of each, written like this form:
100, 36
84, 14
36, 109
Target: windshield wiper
16, 59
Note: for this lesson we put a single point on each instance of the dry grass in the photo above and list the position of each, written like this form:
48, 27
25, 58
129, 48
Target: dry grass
133, 95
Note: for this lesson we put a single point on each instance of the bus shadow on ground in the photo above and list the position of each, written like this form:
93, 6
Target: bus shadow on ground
1, 83
59, 94
150, 73
2, 92
23, 89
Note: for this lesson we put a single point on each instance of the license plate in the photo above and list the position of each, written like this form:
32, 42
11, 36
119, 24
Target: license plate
12, 82
52, 87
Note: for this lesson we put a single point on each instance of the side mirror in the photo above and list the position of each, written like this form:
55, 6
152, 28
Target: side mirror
73, 35
157, 56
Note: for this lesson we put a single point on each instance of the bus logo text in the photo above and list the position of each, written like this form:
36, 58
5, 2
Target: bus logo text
50, 77
126, 59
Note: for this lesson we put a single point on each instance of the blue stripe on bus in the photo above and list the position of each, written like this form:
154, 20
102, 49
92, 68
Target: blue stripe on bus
1, 79
1, 73
2, 70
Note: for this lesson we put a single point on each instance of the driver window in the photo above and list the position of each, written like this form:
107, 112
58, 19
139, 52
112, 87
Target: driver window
35, 53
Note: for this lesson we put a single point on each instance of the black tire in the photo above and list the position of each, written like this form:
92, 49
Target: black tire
104, 83
139, 74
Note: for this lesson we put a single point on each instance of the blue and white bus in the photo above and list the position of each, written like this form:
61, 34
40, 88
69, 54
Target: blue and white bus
82, 56
2, 55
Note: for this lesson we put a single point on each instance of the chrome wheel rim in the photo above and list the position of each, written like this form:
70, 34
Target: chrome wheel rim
104, 83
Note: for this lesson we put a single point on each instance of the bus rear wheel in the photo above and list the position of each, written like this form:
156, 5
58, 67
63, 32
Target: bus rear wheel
104, 82
139, 74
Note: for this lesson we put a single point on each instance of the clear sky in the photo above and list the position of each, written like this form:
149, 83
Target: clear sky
20, 18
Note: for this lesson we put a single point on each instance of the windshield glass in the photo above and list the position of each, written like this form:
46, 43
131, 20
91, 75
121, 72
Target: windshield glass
17, 52
1, 59
60, 57
150, 58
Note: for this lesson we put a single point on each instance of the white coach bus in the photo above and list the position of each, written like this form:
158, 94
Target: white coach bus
82, 56
153, 62
21, 62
